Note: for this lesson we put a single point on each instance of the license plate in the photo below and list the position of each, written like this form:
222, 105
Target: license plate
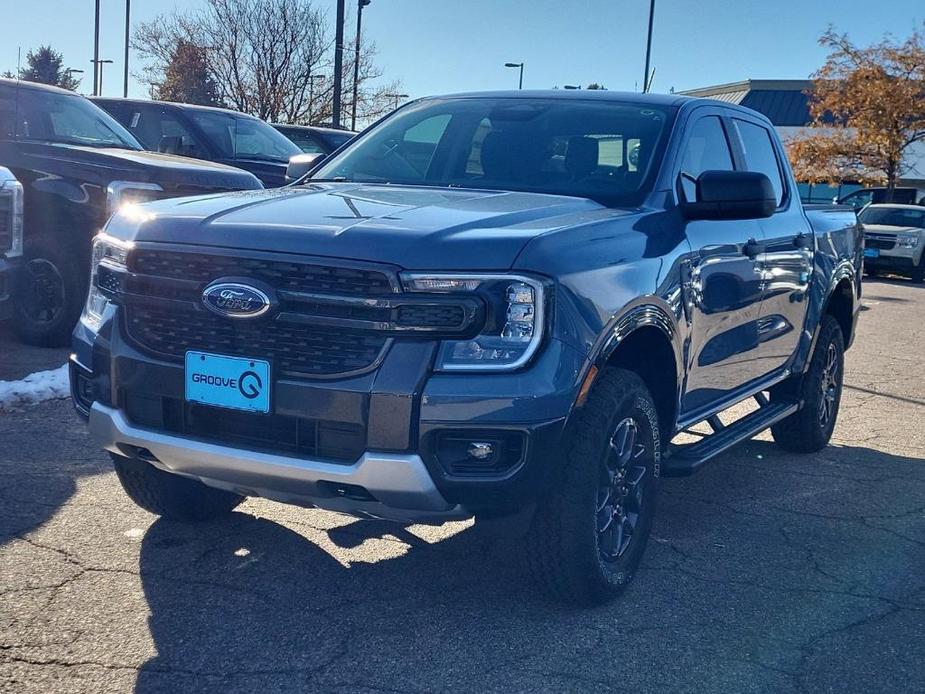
235, 383
871, 252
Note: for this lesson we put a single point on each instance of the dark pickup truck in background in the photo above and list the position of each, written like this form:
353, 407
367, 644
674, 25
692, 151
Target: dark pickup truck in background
314, 140
507, 305
77, 165
214, 134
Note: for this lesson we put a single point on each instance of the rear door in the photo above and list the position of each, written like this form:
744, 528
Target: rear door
787, 258
724, 284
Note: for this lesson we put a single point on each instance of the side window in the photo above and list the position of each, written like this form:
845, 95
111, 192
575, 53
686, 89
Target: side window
760, 155
706, 150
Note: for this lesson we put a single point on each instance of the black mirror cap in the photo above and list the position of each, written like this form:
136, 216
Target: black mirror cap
301, 164
732, 195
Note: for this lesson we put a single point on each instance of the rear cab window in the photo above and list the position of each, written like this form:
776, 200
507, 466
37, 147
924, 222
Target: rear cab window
760, 155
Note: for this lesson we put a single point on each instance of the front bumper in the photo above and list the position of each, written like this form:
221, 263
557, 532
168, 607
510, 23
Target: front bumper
400, 484
896, 259
403, 410
9, 272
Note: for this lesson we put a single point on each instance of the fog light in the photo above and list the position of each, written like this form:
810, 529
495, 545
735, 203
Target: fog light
480, 450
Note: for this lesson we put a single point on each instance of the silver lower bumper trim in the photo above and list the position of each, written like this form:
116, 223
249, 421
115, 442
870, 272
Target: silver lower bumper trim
400, 483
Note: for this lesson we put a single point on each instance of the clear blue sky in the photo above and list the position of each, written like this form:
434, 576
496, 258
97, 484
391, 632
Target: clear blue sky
438, 46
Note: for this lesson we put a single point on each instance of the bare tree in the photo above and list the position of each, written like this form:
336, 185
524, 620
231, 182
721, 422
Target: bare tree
265, 57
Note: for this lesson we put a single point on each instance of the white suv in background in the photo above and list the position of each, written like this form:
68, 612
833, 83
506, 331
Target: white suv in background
894, 238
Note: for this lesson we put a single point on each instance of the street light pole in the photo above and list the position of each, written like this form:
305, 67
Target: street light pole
645, 79
96, 50
338, 62
397, 98
98, 68
128, 16
520, 84
356, 63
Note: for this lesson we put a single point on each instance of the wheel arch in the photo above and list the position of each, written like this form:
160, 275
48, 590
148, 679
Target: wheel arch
645, 340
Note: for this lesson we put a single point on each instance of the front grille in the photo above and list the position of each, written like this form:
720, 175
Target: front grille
884, 242
6, 221
431, 315
295, 349
283, 275
342, 442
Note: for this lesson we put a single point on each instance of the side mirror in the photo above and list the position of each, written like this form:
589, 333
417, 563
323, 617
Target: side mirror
301, 164
731, 195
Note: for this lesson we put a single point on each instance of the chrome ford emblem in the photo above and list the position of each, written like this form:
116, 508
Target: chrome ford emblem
236, 300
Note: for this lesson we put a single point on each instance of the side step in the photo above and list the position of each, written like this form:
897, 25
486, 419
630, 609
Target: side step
686, 459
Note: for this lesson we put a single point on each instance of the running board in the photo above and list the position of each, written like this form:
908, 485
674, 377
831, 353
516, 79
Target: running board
686, 459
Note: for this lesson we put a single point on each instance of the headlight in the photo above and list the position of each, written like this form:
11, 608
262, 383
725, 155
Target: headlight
13, 188
119, 193
514, 323
907, 240
110, 252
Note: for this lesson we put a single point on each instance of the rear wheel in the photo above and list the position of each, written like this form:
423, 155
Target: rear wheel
810, 428
589, 534
172, 496
50, 293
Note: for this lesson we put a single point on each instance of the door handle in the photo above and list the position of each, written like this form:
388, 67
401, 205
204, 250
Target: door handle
752, 248
802, 240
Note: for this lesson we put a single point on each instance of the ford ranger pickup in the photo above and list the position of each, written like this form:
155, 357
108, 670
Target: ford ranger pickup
76, 165
503, 305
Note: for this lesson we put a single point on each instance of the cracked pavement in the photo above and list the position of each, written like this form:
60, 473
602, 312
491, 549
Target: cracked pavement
766, 572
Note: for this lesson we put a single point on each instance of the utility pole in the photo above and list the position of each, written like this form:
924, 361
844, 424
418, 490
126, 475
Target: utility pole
356, 64
128, 18
96, 50
338, 62
645, 79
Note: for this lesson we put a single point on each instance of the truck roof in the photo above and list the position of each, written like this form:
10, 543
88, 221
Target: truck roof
37, 86
573, 94
174, 104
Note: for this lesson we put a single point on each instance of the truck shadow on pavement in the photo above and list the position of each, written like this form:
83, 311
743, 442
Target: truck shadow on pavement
765, 568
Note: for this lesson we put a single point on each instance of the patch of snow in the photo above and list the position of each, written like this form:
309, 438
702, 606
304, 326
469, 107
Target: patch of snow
34, 388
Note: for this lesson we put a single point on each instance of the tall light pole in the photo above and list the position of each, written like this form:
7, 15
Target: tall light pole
645, 79
128, 19
96, 50
311, 95
520, 84
98, 68
356, 64
338, 62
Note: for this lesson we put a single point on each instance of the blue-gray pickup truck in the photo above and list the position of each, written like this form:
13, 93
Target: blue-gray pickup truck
503, 305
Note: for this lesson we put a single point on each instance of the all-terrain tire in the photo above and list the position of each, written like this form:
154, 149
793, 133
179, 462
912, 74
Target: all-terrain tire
809, 429
565, 545
51, 291
172, 496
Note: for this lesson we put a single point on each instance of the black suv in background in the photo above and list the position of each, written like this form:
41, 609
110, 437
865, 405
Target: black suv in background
313, 140
214, 134
77, 166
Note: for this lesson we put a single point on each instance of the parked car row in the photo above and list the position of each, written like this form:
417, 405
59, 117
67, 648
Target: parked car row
77, 161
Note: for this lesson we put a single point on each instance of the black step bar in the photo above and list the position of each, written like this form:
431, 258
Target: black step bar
686, 459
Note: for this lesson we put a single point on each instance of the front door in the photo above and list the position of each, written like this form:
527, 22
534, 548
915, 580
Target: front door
723, 283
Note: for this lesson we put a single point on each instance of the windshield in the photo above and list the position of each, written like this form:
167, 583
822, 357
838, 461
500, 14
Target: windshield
239, 137
603, 150
33, 114
893, 216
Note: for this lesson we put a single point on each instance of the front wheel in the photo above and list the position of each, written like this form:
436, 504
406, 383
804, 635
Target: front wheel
172, 496
809, 429
589, 534
50, 293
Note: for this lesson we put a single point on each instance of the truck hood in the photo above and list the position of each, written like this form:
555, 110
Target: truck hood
407, 226
106, 164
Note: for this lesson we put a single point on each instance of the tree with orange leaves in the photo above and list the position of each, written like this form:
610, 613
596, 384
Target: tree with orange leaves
868, 109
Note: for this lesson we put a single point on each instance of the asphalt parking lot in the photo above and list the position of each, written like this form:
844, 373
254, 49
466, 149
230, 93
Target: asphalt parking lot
766, 572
